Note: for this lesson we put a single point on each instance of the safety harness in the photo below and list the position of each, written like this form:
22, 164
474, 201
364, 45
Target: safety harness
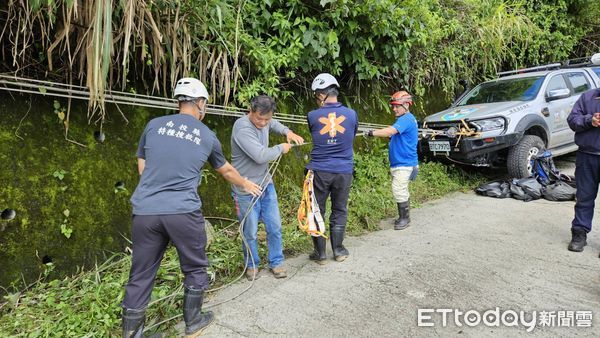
310, 219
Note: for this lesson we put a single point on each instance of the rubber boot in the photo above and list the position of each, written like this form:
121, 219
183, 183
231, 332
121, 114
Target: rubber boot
195, 320
319, 255
579, 239
404, 220
397, 220
133, 323
340, 253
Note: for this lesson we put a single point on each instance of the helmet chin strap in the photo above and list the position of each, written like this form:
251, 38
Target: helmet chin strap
200, 110
322, 102
406, 108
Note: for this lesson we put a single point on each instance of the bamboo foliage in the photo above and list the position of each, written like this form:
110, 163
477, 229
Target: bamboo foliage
243, 48
98, 52
93, 42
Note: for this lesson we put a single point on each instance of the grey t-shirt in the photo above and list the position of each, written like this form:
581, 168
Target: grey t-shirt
250, 152
175, 148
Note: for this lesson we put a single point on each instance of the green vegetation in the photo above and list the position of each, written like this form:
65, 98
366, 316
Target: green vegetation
243, 48
72, 197
87, 304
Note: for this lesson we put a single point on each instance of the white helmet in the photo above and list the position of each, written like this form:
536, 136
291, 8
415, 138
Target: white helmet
323, 81
595, 59
189, 88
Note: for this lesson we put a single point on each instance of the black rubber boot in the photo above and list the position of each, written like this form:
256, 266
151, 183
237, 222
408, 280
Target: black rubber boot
397, 220
133, 323
579, 239
195, 320
404, 220
320, 246
340, 253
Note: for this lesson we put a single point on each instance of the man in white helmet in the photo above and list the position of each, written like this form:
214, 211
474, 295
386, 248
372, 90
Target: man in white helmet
333, 128
166, 206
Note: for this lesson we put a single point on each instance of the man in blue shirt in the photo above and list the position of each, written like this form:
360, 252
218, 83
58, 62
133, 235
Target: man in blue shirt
585, 122
166, 206
404, 161
333, 128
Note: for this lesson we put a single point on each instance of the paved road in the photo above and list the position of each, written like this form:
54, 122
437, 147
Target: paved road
462, 252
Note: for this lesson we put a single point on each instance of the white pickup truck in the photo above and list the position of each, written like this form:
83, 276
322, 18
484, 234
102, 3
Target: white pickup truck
508, 120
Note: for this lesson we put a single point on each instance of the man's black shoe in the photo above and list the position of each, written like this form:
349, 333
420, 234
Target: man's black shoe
578, 240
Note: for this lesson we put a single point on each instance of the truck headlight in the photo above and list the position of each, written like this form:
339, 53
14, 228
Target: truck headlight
489, 124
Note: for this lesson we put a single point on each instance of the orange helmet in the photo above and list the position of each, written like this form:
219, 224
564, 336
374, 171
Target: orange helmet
401, 98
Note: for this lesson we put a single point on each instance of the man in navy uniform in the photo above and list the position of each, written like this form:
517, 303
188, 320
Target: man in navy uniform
333, 128
166, 206
585, 120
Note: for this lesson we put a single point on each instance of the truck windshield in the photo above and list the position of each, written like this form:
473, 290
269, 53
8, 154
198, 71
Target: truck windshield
597, 71
520, 89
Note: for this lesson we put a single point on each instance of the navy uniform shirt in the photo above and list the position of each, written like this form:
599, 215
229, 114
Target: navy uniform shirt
587, 137
175, 148
333, 128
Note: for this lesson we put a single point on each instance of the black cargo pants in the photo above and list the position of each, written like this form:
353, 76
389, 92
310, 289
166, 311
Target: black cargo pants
338, 187
150, 235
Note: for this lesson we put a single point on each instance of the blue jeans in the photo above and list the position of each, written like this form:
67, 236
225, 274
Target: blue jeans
267, 210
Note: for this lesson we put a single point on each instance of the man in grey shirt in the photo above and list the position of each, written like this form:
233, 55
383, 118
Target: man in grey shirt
250, 155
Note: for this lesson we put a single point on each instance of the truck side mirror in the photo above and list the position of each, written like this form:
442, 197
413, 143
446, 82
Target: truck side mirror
558, 94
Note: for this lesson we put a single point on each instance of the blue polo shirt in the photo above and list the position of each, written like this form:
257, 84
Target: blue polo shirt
175, 148
403, 145
333, 128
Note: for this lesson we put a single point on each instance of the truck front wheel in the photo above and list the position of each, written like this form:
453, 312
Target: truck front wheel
520, 155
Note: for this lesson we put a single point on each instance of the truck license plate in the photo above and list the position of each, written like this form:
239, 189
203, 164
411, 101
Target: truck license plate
439, 146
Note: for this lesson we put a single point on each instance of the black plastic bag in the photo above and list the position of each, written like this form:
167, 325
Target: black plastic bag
518, 192
531, 187
498, 189
559, 191
569, 179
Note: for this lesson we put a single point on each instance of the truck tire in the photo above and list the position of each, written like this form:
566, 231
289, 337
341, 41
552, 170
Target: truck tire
519, 156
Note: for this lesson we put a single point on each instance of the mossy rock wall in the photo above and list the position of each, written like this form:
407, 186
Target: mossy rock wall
68, 209
52, 183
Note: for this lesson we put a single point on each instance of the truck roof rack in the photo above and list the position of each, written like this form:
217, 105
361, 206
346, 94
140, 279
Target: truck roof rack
587, 61
578, 62
551, 66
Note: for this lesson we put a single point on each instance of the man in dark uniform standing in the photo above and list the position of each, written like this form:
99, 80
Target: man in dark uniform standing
166, 206
333, 128
585, 120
